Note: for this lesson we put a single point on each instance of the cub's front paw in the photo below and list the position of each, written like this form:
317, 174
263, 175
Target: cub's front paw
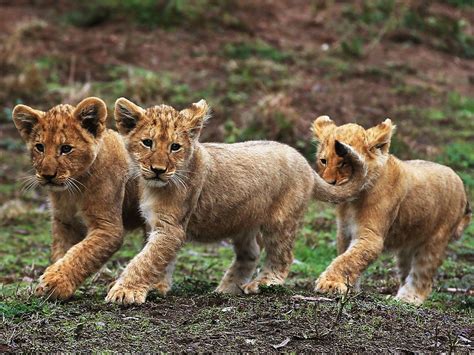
251, 288
55, 284
327, 285
122, 294
162, 287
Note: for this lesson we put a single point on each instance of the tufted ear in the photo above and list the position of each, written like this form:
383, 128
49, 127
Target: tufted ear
25, 119
91, 114
195, 116
321, 126
379, 137
127, 115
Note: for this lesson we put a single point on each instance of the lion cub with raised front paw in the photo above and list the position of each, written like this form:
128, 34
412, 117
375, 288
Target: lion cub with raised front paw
413, 208
85, 168
209, 192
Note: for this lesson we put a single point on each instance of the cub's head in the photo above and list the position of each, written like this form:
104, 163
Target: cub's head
63, 142
160, 139
372, 144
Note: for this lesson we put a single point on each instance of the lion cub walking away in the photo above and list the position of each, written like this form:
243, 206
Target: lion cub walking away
85, 168
413, 208
209, 192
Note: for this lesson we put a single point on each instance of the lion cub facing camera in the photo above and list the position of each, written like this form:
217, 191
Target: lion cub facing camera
413, 208
208, 192
85, 168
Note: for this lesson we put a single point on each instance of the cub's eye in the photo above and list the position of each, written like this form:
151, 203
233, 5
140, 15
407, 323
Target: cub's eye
147, 143
66, 148
323, 161
39, 147
175, 146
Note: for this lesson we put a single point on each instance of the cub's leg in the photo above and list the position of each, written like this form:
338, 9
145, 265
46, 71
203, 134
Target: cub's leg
147, 268
65, 235
278, 243
343, 241
247, 252
404, 262
61, 279
347, 267
426, 260
163, 286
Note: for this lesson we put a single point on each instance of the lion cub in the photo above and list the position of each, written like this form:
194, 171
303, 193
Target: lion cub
208, 192
413, 208
85, 168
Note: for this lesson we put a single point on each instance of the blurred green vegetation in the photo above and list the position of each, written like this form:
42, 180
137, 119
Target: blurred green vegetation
164, 13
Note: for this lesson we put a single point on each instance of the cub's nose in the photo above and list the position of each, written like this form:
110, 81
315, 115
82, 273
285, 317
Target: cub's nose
158, 170
47, 177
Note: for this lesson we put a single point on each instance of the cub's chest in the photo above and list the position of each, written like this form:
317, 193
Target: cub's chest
348, 222
68, 209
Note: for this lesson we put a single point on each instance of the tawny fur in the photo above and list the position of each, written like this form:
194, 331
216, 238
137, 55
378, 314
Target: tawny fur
412, 208
247, 192
91, 194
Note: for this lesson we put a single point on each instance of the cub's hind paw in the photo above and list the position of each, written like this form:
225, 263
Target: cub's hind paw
54, 284
409, 296
229, 288
122, 294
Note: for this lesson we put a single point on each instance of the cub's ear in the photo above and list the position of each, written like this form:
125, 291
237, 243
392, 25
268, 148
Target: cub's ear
321, 125
379, 137
195, 117
91, 114
25, 119
126, 115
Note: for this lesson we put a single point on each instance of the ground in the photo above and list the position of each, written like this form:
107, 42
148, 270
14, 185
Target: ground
268, 68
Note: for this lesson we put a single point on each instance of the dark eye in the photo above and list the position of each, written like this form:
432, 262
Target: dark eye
65, 149
147, 143
323, 161
39, 147
174, 147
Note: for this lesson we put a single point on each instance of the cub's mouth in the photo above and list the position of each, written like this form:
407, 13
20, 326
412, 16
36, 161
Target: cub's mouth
155, 181
54, 186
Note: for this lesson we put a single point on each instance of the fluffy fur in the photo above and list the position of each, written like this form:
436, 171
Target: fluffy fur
413, 208
248, 192
85, 168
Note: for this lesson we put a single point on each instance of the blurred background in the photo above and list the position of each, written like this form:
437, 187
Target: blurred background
267, 68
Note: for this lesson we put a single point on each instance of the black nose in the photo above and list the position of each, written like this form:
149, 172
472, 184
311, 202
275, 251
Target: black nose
48, 177
158, 171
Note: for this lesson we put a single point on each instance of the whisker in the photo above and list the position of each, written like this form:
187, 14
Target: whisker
77, 182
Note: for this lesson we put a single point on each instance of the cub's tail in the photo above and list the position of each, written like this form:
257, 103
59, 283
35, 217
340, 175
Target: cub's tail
329, 193
466, 219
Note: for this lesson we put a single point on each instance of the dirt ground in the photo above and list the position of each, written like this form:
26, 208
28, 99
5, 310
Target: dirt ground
268, 68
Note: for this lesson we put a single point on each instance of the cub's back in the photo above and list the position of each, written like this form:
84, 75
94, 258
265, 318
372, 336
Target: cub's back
258, 163
435, 193
246, 183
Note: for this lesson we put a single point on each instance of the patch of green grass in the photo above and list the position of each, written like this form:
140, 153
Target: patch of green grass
152, 13
16, 307
353, 47
258, 49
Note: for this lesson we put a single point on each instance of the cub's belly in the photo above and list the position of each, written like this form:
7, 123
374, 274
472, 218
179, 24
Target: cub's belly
208, 231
